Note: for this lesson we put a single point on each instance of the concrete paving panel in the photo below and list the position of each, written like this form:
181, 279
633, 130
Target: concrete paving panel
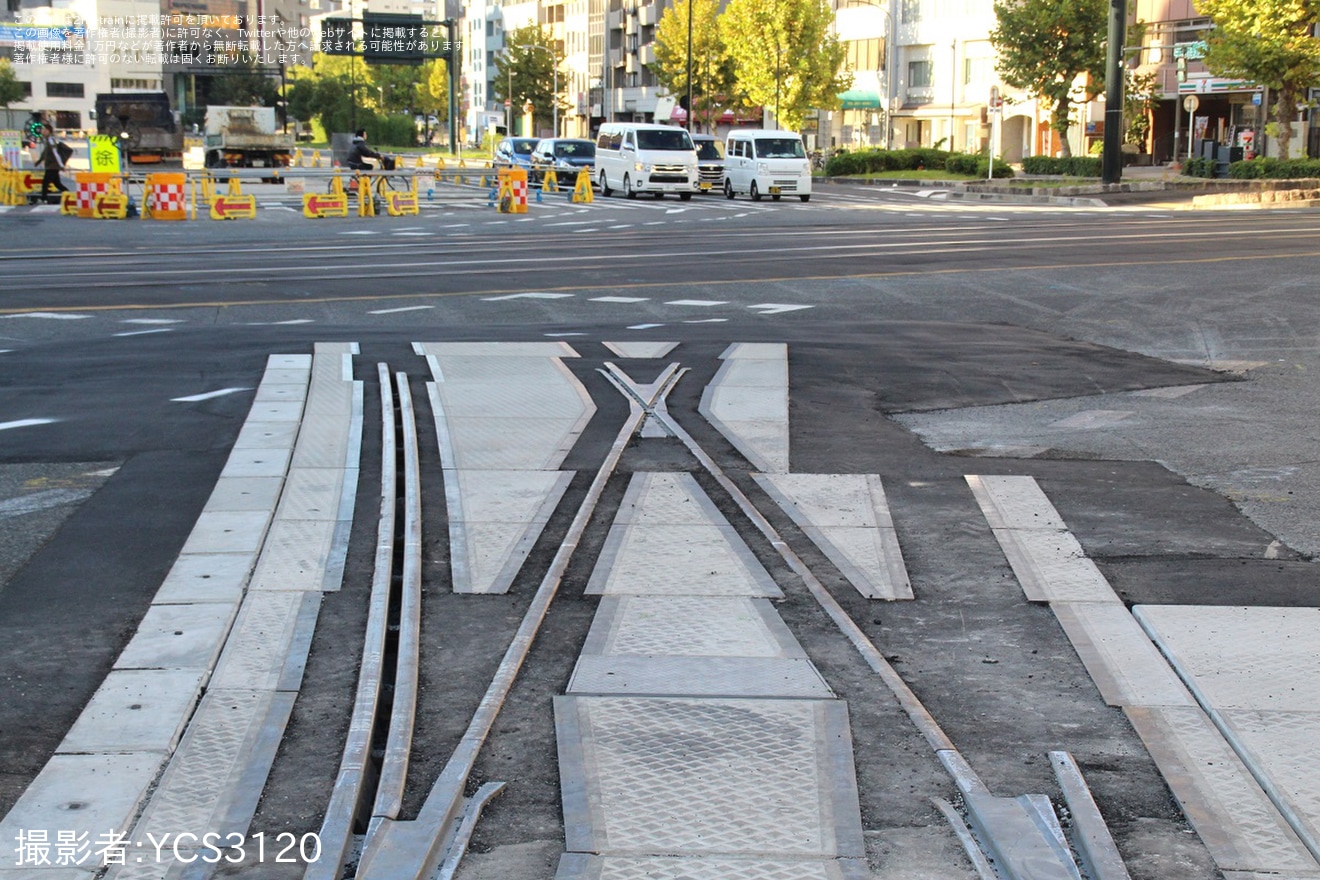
294, 556
491, 444
82, 794
1281, 747
267, 435
311, 494
1052, 567
228, 532
179, 637
244, 493
694, 626
1127, 668
666, 499
206, 577
697, 561
763, 778
1238, 824
257, 461
1014, 502
579, 866
256, 651
274, 392
697, 677
136, 710
641, 349
1267, 659
830, 500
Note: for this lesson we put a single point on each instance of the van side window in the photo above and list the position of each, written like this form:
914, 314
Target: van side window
628, 140
603, 140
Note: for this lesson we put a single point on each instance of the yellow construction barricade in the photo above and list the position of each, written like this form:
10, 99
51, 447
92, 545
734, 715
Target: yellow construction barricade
550, 182
582, 189
512, 197
166, 197
91, 185
331, 204
234, 205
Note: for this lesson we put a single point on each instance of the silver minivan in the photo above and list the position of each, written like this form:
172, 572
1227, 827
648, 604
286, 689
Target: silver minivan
762, 162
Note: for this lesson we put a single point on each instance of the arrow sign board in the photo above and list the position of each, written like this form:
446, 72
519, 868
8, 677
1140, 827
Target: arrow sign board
316, 205
401, 203
234, 207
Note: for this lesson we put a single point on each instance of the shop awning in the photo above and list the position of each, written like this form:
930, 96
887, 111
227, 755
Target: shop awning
859, 99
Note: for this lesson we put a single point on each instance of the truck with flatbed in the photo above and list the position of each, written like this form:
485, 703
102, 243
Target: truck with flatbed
245, 137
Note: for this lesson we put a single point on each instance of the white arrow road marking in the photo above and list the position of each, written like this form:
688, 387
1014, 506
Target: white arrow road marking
526, 296
195, 398
777, 308
403, 309
54, 316
26, 423
644, 326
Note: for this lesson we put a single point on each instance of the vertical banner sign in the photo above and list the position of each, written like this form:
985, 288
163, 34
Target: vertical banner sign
104, 153
11, 147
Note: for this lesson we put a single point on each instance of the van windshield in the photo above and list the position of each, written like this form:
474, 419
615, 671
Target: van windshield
654, 139
779, 148
710, 150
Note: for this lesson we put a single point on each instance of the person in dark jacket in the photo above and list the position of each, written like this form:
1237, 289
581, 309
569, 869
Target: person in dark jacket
50, 160
360, 152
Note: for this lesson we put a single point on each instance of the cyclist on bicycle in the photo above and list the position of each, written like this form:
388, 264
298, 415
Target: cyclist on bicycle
360, 152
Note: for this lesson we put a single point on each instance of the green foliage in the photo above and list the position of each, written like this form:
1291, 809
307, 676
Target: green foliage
976, 165
787, 56
1275, 169
244, 86
1199, 168
391, 131
1269, 42
1072, 166
1140, 99
879, 161
524, 72
714, 83
1045, 45
11, 89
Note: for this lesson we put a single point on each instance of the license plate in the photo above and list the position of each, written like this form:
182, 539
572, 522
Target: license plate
705, 187
774, 190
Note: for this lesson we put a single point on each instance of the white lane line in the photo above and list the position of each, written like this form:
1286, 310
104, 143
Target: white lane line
704, 303
207, 395
53, 316
777, 308
26, 423
145, 332
152, 321
644, 326
402, 309
621, 226
526, 296
565, 334
414, 234
707, 321
619, 299
361, 232
655, 223
280, 323
456, 226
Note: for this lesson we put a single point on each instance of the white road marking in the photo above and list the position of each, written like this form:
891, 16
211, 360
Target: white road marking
26, 423
527, 296
41, 501
705, 303
404, 234
777, 308
396, 311
619, 299
644, 326
54, 316
145, 332
152, 321
361, 232
207, 395
621, 226
279, 323
565, 334
707, 321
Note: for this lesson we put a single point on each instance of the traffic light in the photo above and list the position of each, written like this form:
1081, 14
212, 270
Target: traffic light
34, 127
1182, 69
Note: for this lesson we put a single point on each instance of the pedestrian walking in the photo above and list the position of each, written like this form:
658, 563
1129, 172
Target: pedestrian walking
53, 156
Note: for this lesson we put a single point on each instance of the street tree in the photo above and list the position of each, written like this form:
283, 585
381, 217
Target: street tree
713, 78
330, 92
244, 85
1141, 96
786, 56
1046, 46
11, 89
524, 72
1271, 43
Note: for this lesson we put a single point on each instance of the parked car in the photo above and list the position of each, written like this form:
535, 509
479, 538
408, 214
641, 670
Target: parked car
565, 157
641, 157
515, 153
710, 162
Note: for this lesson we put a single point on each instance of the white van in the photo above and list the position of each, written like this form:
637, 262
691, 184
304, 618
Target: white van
636, 157
760, 162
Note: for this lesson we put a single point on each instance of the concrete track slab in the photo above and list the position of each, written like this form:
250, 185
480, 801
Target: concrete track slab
652, 676
747, 401
295, 555
697, 561
82, 794
763, 778
1052, 567
206, 577
1124, 664
257, 461
266, 634
674, 499
641, 349
245, 493
136, 710
179, 636
311, 494
692, 626
266, 435
578, 866
228, 532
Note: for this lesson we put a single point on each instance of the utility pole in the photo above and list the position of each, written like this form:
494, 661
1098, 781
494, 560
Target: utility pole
1112, 162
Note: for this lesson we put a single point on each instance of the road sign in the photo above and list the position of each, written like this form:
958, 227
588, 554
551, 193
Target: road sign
1191, 51
1190, 103
104, 154
316, 205
234, 207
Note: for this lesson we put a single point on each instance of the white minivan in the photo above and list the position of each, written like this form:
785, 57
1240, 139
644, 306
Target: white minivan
637, 157
760, 162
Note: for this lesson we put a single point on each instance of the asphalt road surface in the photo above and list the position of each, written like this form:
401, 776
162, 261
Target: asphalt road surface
1153, 370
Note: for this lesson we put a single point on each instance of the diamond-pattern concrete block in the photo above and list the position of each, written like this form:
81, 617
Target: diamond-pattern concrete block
667, 499
580, 866
256, 652
694, 626
295, 555
1282, 747
311, 494
698, 676
767, 778
697, 561
1127, 668
1242, 830
1052, 567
